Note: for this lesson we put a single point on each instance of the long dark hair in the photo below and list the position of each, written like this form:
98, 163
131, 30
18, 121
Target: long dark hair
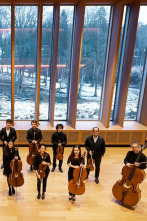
7, 149
72, 152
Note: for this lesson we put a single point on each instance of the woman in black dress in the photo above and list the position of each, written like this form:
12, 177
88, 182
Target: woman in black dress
44, 158
10, 153
74, 161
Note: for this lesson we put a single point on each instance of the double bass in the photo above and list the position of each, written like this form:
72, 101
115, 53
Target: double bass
16, 177
77, 186
127, 189
59, 151
33, 150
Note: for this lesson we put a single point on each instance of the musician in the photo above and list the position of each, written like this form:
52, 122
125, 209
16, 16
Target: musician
44, 158
74, 161
34, 135
9, 154
132, 156
95, 145
58, 139
7, 133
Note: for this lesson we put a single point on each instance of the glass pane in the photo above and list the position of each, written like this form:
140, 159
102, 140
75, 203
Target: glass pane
45, 61
25, 61
118, 62
5, 62
64, 52
94, 45
137, 66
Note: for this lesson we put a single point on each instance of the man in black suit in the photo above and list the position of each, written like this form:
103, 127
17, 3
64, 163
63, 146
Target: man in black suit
95, 145
34, 135
7, 134
58, 139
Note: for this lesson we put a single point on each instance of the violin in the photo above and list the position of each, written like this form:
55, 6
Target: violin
16, 177
90, 163
76, 185
59, 151
127, 189
33, 150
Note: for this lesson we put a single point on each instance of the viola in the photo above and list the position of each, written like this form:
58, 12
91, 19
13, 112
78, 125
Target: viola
76, 185
59, 151
16, 177
33, 150
41, 170
127, 189
90, 164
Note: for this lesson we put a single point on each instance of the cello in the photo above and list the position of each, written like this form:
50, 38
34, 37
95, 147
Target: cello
33, 150
16, 177
59, 151
77, 186
127, 189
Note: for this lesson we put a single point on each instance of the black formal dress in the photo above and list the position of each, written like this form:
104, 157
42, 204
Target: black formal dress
58, 138
131, 158
9, 155
37, 160
75, 162
34, 135
4, 137
98, 149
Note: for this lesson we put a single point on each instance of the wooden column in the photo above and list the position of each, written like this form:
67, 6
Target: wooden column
126, 63
75, 62
142, 105
53, 65
12, 60
111, 67
38, 62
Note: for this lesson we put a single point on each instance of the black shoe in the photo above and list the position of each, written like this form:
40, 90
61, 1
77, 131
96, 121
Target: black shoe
31, 168
43, 196
61, 170
13, 190
10, 193
96, 180
53, 169
2, 166
38, 196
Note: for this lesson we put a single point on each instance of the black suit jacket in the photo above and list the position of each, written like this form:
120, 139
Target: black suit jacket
98, 147
12, 135
31, 137
58, 136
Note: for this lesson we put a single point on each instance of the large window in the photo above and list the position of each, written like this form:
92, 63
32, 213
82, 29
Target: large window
45, 62
5, 62
63, 66
25, 61
137, 66
119, 60
94, 46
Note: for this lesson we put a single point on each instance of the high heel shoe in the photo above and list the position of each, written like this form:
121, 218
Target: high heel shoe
43, 196
10, 193
13, 190
38, 196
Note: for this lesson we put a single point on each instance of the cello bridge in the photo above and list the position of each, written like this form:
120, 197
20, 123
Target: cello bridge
126, 186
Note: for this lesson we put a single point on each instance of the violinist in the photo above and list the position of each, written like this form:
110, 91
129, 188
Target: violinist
42, 158
34, 135
9, 154
7, 133
58, 139
132, 156
74, 161
95, 145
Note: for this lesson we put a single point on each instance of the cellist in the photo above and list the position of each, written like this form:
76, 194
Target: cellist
34, 135
74, 161
9, 154
132, 155
42, 158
